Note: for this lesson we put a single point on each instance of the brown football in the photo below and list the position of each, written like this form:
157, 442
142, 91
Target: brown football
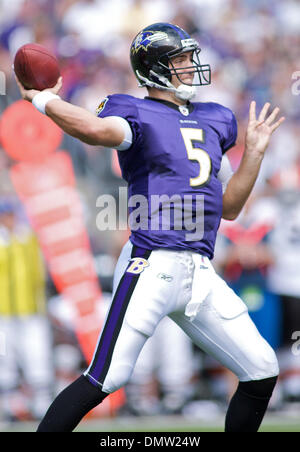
36, 67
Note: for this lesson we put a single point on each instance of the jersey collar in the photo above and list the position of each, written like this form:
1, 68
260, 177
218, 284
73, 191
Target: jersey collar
189, 107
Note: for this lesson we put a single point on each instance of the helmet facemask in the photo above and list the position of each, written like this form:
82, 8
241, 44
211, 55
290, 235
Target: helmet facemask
162, 72
202, 74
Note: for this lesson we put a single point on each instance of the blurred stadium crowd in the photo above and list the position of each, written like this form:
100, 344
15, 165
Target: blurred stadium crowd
253, 48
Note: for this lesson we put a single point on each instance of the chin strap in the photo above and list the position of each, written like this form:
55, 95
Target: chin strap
183, 92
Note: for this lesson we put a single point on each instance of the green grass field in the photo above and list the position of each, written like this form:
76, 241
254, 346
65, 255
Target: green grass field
272, 423
177, 424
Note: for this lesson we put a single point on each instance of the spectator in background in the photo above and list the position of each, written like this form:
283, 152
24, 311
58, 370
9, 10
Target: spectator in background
27, 362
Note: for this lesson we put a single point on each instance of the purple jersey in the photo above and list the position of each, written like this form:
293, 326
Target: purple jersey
172, 168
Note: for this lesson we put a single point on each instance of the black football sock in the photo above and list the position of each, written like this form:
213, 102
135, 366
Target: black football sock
248, 405
69, 407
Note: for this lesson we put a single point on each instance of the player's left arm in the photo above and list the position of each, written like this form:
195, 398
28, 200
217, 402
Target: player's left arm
258, 135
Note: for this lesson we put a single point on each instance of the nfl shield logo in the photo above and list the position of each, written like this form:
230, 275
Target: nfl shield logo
184, 110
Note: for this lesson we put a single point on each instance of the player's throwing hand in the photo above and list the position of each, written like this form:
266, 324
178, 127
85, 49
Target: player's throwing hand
259, 130
28, 94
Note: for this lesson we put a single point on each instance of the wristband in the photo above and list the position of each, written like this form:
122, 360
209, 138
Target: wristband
40, 100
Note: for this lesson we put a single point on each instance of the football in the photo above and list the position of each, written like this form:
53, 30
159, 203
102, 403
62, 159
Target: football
36, 67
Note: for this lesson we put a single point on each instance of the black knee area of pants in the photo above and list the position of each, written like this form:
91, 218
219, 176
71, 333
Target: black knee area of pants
261, 389
71, 405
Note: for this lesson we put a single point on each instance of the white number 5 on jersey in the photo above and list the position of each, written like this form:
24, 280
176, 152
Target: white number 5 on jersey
190, 136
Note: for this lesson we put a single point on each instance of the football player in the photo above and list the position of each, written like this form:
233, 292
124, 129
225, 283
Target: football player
172, 148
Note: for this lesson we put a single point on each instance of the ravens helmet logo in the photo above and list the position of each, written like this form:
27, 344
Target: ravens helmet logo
145, 38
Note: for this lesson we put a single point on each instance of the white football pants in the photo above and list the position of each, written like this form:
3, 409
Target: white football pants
183, 285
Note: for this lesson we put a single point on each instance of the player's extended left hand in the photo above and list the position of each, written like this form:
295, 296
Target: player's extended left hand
28, 94
260, 129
